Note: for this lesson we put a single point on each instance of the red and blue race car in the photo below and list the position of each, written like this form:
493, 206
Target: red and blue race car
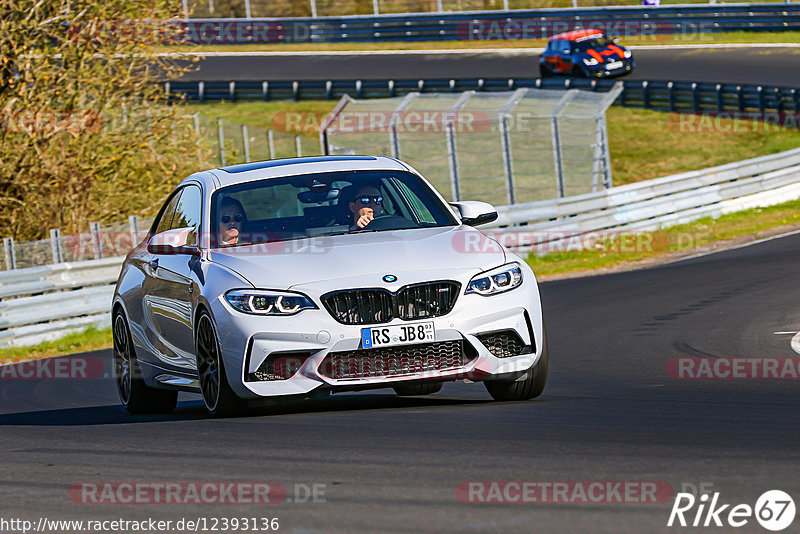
587, 53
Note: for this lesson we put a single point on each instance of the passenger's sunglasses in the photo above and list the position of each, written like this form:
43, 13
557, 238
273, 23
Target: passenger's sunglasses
227, 218
370, 199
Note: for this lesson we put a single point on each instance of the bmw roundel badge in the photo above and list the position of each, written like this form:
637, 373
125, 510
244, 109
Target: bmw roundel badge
389, 278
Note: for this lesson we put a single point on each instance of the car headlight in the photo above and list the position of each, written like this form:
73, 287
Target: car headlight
496, 281
590, 62
627, 53
264, 302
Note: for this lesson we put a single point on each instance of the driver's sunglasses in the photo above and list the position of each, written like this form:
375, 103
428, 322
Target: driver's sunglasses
370, 199
227, 218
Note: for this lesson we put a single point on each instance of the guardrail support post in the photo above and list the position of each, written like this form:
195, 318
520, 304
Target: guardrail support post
762, 105
232, 91
695, 98
271, 142
221, 138
246, 143
55, 246
201, 92
646, 94
298, 146
248, 13
671, 95
740, 97
133, 228
97, 241
720, 98
265, 91
375, 7
11, 257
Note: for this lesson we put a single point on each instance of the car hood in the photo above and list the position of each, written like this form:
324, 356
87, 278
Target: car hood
605, 55
363, 256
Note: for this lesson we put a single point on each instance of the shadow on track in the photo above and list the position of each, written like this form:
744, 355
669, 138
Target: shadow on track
194, 410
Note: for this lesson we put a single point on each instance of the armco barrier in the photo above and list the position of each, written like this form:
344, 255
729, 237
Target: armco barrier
41, 303
44, 302
660, 95
681, 20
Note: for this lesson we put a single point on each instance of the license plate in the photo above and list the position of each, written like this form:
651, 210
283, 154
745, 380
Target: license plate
403, 334
614, 65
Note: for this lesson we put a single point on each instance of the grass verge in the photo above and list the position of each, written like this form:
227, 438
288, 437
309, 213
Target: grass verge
647, 248
790, 37
89, 339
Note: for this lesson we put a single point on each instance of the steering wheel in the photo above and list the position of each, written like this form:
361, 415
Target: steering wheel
387, 221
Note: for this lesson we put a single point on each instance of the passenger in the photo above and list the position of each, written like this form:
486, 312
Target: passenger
231, 220
367, 204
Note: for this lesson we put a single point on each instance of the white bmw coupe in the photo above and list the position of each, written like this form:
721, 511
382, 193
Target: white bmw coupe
309, 276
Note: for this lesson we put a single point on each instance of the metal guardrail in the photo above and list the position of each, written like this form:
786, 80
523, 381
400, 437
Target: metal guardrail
44, 302
488, 25
653, 94
41, 303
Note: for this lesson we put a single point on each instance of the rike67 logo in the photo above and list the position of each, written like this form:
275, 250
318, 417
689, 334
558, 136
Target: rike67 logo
774, 510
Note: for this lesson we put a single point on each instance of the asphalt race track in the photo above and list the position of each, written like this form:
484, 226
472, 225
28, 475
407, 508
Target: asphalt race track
768, 66
611, 412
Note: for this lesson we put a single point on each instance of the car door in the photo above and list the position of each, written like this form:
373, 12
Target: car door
170, 288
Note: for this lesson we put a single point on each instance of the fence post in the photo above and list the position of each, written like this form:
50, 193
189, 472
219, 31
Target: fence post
314, 8
324, 145
248, 13
394, 140
55, 246
298, 146
271, 142
97, 242
186, 9
439, 7
505, 139
11, 256
246, 141
452, 148
505, 5
375, 8
133, 228
556, 136
196, 119
221, 137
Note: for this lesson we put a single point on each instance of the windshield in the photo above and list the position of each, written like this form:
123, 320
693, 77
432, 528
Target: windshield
597, 43
311, 205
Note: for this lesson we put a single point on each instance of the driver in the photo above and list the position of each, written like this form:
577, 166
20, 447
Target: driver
231, 220
367, 204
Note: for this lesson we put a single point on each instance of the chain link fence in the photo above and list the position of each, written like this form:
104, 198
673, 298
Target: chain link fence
503, 148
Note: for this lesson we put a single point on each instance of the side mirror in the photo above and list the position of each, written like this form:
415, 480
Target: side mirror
475, 213
615, 40
173, 242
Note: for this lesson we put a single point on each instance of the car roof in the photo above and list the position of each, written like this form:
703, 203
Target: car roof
277, 168
576, 34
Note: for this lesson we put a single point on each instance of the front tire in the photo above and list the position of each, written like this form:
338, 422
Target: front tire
218, 397
410, 390
529, 388
135, 395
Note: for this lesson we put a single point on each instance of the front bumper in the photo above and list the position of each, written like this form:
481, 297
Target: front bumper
247, 341
601, 71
